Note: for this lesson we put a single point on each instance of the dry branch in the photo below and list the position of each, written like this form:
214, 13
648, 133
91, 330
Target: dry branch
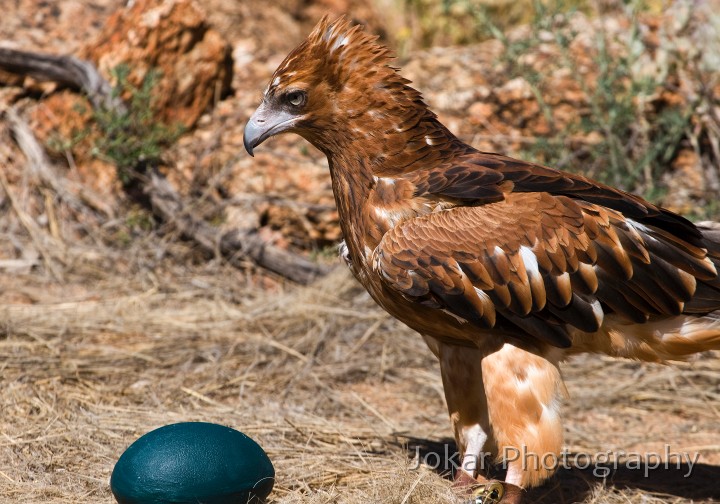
66, 70
165, 201
40, 168
233, 245
32, 230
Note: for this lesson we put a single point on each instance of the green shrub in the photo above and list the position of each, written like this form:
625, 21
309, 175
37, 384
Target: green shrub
635, 135
131, 138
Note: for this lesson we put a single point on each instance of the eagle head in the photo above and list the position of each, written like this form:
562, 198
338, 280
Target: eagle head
335, 88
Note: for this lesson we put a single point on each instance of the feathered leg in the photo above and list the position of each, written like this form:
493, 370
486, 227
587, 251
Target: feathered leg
467, 405
505, 402
524, 392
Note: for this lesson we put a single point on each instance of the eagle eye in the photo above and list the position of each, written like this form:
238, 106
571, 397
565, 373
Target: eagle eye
296, 98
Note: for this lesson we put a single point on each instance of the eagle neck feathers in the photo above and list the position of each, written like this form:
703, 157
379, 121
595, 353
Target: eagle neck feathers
378, 130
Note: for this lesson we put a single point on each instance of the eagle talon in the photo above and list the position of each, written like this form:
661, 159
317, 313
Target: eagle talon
488, 493
495, 492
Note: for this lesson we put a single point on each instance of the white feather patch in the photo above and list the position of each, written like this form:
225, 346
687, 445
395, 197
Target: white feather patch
344, 252
475, 438
482, 295
598, 311
530, 261
341, 41
456, 317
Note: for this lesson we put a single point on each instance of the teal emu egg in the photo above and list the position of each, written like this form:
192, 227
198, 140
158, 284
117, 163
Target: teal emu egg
193, 462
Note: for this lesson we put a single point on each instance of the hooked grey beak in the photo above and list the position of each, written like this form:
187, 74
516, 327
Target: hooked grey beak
264, 123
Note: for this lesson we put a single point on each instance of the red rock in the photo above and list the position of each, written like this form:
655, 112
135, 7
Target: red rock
174, 38
481, 111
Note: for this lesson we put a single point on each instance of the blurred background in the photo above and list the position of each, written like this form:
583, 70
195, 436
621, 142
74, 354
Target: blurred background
152, 271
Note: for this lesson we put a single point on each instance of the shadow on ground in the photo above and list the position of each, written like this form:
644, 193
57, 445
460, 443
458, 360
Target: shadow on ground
575, 483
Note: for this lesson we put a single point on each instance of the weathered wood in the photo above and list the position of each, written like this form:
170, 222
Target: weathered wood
166, 203
64, 69
233, 245
33, 230
72, 193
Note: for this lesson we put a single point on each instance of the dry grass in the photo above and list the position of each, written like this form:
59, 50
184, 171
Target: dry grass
337, 393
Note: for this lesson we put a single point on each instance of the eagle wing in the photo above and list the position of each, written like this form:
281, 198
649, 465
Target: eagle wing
480, 177
535, 264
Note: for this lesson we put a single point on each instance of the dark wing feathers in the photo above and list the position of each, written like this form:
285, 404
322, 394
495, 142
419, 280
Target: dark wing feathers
480, 183
537, 264
478, 177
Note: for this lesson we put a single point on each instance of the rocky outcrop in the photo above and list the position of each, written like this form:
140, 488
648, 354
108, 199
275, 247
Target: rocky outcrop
173, 38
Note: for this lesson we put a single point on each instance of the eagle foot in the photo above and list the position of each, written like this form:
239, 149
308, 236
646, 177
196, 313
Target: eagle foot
491, 492
482, 491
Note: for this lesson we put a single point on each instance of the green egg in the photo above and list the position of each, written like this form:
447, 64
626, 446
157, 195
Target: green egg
193, 462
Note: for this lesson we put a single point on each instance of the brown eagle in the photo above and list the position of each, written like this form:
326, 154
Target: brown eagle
504, 267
